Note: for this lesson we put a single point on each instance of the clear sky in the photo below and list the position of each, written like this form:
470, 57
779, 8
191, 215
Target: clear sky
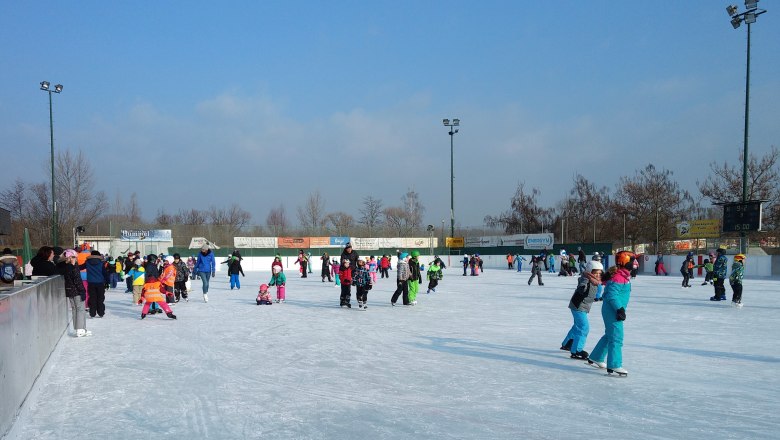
261, 102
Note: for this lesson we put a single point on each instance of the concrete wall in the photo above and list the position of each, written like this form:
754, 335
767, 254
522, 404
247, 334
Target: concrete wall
32, 320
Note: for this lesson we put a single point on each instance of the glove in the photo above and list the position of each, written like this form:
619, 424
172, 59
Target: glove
213, 274
714, 279
621, 314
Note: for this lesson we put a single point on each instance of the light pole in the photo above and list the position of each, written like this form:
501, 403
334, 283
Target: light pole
657, 244
749, 17
455, 122
443, 242
54, 220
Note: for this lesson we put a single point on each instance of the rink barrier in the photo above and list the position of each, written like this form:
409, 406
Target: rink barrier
33, 318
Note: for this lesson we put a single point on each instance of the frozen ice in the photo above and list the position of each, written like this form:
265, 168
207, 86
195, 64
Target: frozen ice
478, 359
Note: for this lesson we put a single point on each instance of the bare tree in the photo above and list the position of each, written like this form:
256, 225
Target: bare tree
524, 216
163, 218
763, 183
190, 217
277, 221
397, 219
78, 201
133, 210
414, 208
371, 214
15, 199
339, 223
310, 215
585, 212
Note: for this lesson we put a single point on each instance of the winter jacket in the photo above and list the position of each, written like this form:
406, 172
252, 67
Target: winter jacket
351, 256
139, 276
585, 294
152, 293
414, 270
206, 262
169, 275
402, 273
372, 265
345, 276
434, 272
42, 267
73, 285
278, 280
182, 271
384, 263
737, 272
234, 267
721, 266
95, 269
362, 277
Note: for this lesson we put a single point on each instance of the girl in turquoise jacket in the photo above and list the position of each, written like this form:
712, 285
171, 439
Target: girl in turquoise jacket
613, 311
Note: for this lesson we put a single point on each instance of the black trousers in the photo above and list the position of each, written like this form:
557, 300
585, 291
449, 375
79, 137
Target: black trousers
538, 274
362, 294
402, 289
129, 282
180, 289
97, 299
686, 276
432, 284
737, 296
720, 290
346, 293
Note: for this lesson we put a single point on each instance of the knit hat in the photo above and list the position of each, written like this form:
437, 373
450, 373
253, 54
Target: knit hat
404, 255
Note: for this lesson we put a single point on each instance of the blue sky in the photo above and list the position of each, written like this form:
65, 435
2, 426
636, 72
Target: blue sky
260, 103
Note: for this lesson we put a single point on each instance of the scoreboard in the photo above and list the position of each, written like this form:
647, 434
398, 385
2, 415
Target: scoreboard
742, 217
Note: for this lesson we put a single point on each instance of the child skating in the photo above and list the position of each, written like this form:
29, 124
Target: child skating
581, 300
278, 279
263, 296
152, 294
735, 279
362, 285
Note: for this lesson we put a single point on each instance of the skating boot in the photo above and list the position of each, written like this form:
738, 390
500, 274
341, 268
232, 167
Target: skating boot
360, 305
171, 315
567, 346
620, 371
205, 297
596, 364
349, 305
365, 306
714, 298
143, 315
580, 355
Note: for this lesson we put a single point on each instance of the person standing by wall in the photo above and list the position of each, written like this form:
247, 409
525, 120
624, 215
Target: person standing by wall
96, 284
74, 291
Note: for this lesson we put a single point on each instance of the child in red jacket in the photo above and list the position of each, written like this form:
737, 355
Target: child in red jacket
345, 276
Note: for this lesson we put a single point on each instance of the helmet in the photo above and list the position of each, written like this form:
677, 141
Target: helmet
415, 253
264, 287
69, 253
690, 254
169, 259
625, 259
595, 265
722, 249
739, 257
276, 269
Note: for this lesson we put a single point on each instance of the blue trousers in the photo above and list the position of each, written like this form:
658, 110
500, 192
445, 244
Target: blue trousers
610, 346
579, 331
519, 265
234, 282
599, 291
204, 277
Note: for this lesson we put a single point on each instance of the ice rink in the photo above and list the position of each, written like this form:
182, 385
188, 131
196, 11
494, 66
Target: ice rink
479, 359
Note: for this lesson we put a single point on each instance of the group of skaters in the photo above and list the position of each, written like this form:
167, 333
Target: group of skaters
715, 268
474, 263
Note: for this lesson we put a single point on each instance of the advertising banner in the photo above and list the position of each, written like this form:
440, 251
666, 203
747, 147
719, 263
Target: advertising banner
539, 241
395, 242
709, 228
454, 242
487, 241
512, 240
293, 242
412, 243
145, 235
339, 241
198, 242
319, 242
254, 242
365, 244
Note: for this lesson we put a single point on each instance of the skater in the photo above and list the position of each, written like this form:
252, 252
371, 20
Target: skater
434, 274
182, 274
659, 265
308, 261
277, 263
263, 296
685, 270
479, 264
303, 261
519, 260
402, 279
137, 275
550, 262
415, 277
466, 261
720, 267
345, 274
234, 269
372, 268
363, 284
325, 272
708, 272
473, 265
168, 280
735, 279
129, 264
613, 312
600, 290
509, 260
206, 268
336, 270
152, 295
582, 261
96, 284
690, 269
278, 279
536, 270
74, 291
581, 300
384, 265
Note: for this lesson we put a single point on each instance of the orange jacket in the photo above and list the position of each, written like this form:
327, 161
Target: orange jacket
151, 292
168, 276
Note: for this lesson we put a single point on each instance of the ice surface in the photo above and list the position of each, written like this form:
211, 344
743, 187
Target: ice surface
479, 359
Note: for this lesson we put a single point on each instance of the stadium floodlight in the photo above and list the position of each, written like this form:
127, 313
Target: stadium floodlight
736, 21
45, 85
446, 122
732, 10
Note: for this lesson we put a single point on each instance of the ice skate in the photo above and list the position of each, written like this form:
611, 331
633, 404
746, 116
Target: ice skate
580, 355
360, 305
620, 371
143, 315
80, 333
567, 345
205, 298
171, 315
596, 364
365, 306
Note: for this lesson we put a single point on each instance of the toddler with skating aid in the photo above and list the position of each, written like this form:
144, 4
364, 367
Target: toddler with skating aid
278, 279
152, 294
264, 296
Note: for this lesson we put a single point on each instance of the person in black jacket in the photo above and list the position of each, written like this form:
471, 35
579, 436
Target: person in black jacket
74, 290
234, 268
352, 256
43, 262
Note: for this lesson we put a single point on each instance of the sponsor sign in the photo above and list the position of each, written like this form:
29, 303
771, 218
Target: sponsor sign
364, 244
319, 242
339, 241
395, 242
454, 242
698, 229
512, 240
293, 242
411, 243
254, 242
539, 241
145, 235
198, 242
488, 241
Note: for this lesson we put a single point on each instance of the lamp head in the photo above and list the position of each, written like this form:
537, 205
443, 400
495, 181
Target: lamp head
751, 4
58, 88
445, 121
732, 10
45, 85
735, 22
456, 122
